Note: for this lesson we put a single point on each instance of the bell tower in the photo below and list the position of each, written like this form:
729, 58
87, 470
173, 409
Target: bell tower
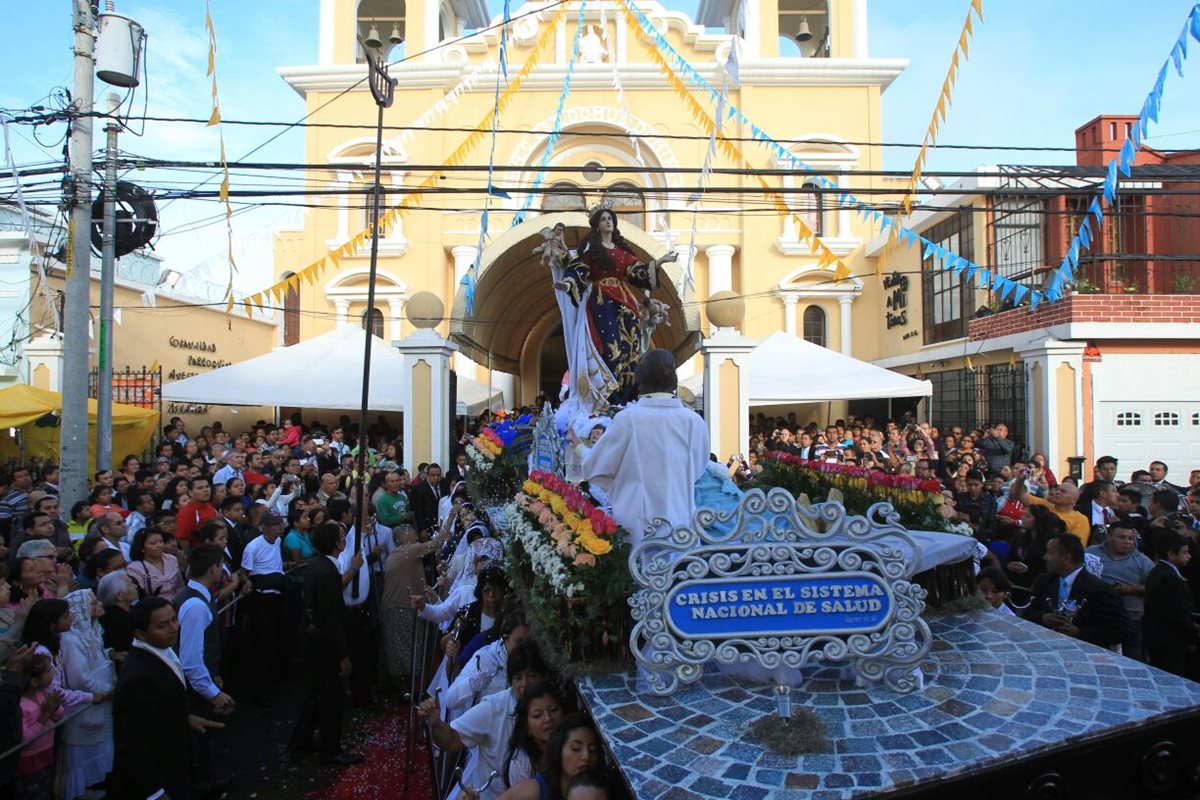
399, 26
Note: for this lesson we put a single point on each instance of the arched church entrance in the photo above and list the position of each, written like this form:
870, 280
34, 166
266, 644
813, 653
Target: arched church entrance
552, 364
516, 326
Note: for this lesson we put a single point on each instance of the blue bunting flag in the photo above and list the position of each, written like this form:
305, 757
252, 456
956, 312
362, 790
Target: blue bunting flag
1019, 294
1126, 158
556, 129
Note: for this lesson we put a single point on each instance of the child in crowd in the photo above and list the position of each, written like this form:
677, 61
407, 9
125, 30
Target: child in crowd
995, 587
41, 707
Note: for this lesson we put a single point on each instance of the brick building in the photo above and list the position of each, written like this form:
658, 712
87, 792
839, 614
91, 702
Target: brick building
1112, 369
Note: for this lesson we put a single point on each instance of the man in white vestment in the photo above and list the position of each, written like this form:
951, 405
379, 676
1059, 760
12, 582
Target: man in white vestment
654, 451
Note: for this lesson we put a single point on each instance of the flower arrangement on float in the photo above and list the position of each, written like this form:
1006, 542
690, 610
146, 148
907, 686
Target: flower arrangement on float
485, 448
570, 561
497, 459
918, 502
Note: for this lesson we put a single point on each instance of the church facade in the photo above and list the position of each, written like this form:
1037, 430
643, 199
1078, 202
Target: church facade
805, 77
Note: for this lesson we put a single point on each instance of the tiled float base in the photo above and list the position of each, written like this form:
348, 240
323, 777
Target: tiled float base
999, 693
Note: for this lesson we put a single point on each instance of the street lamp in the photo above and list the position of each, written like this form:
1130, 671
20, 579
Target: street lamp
383, 89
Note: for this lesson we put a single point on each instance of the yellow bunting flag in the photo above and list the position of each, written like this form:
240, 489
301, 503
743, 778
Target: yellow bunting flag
941, 106
215, 120
826, 258
456, 157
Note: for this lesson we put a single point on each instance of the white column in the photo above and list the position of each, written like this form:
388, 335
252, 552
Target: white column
343, 311
845, 302
464, 256
860, 29
325, 48
396, 317
426, 349
1045, 400
843, 214
720, 267
753, 32
433, 17
728, 428
789, 313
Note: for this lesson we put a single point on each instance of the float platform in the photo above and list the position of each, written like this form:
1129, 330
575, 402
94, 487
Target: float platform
1009, 710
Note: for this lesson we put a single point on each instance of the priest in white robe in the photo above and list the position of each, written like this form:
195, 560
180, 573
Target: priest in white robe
653, 453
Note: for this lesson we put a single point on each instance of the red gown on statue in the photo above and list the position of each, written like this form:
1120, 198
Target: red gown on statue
613, 310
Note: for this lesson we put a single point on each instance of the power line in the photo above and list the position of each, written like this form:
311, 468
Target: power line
631, 135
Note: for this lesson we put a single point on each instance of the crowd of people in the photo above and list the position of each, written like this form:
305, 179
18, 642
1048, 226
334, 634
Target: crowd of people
134, 623
1109, 561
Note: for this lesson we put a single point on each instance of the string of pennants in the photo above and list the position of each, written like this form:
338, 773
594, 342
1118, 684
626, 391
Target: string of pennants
472, 275
943, 104
673, 64
355, 244
556, 128
1123, 163
671, 61
214, 119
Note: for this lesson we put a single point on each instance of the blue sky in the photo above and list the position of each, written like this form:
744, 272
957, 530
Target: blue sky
1037, 71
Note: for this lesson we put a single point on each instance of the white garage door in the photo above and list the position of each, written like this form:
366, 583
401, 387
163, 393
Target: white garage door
1137, 433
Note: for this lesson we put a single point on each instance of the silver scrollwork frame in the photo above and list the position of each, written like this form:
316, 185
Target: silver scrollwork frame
773, 536
546, 453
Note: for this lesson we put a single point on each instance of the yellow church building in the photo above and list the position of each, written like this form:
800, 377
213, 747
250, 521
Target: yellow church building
624, 135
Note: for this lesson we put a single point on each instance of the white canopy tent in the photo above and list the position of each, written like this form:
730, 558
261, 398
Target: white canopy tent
786, 370
324, 372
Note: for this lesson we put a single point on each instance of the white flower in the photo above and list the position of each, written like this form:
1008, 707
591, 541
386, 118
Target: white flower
478, 459
548, 563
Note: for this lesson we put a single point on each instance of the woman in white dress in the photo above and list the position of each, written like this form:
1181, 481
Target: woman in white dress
89, 668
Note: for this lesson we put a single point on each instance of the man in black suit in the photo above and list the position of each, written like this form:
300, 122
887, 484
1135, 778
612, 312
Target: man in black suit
325, 652
458, 470
1100, 618
1171, 638
425, 499
151, 723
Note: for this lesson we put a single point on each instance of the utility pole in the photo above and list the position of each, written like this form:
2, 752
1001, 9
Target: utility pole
383, 90
104, 399
73, 447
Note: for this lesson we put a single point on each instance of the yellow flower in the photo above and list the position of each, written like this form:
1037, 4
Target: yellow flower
595, 545
529, 487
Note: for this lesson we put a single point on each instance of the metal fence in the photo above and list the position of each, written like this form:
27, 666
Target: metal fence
141, 387
981, 397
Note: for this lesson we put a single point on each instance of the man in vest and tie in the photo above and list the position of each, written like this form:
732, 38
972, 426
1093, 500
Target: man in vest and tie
200, 651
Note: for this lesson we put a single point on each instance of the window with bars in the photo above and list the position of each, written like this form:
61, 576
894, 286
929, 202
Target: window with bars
814, 325
563, 196
1166, 419
981, 398
626, 199
1017, 243
810, 208
1128, 419
948, 299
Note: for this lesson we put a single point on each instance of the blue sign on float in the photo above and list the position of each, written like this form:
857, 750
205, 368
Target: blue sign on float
796, 605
